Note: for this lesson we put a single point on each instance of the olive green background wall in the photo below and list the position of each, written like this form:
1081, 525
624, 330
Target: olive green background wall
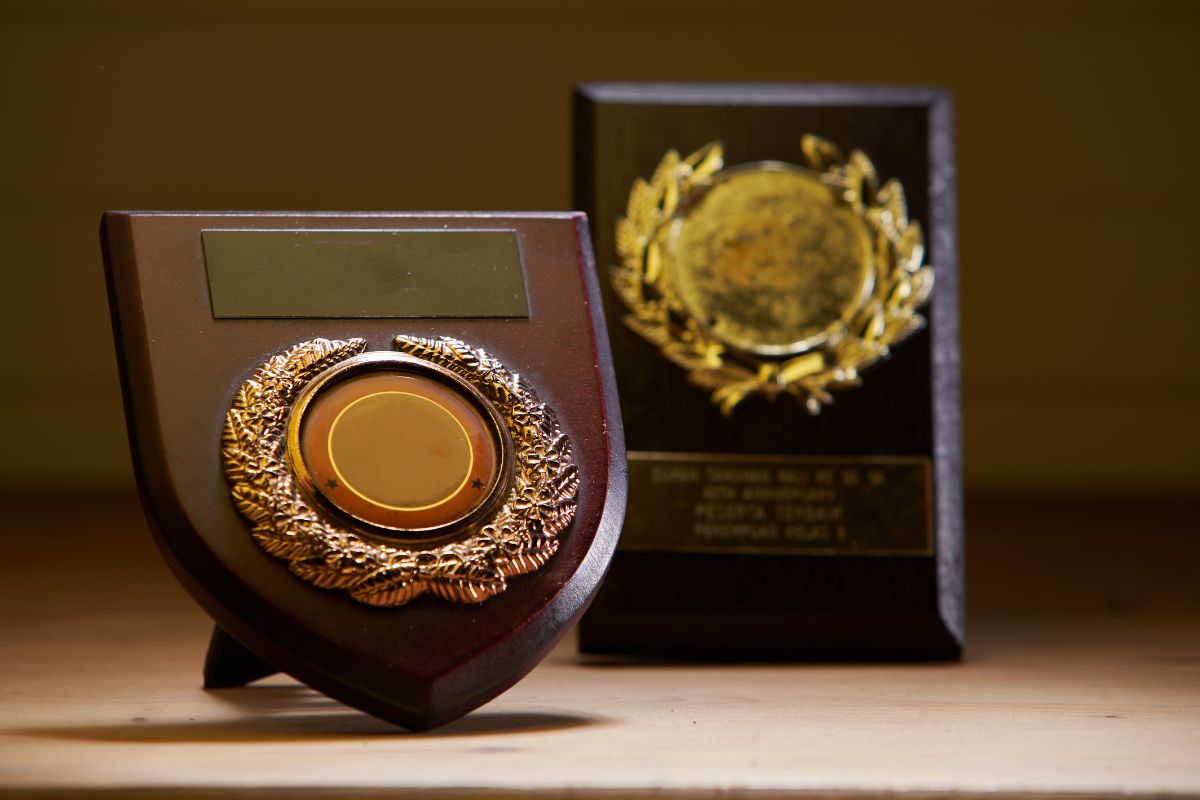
1078, 169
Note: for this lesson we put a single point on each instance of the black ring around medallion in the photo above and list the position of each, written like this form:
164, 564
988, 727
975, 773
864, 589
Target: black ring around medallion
399, 445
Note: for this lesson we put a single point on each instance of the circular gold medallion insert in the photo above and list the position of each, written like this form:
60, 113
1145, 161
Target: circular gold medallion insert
399, 451
770, 260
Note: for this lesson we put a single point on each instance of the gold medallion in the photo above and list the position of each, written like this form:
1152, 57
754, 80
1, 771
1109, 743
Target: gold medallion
771, 278
392, 474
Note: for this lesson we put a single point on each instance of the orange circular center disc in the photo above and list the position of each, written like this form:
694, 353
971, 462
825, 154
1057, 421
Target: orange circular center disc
399, 451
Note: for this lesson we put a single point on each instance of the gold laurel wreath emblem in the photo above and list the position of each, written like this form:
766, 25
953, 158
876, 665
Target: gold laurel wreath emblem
519, 538
902, 285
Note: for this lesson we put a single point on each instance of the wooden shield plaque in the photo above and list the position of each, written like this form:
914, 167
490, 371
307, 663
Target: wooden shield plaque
383, 451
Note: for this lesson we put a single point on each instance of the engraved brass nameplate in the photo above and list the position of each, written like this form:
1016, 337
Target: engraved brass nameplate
784, 505
359, 274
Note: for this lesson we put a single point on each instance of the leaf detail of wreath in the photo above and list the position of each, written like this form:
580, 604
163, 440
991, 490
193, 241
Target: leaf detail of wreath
902, 283
518, 539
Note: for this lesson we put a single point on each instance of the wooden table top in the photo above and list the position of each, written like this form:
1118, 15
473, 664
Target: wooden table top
1082, 677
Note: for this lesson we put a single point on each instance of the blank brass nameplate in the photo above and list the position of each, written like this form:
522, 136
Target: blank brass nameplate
325, 274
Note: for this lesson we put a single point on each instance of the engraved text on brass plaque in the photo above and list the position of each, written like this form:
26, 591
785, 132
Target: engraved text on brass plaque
782, 505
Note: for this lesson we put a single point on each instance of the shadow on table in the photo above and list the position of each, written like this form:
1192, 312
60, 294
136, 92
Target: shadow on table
278, 713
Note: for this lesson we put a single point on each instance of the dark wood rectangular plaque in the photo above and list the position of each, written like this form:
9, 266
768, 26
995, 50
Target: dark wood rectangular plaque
773, 531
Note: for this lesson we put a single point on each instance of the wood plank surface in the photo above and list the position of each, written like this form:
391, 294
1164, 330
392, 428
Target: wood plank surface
1082, 678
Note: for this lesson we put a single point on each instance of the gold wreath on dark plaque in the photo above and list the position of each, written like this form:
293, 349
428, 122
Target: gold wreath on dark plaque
431, 469
771, 278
